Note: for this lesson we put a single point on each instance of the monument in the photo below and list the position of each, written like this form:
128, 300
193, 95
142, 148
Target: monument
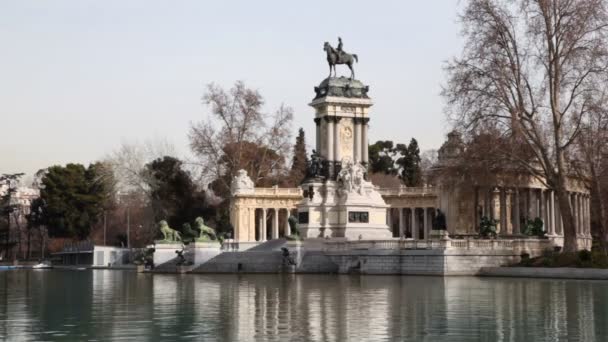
339, 200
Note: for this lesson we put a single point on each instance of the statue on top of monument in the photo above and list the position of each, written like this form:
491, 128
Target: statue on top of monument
338, 56
314, 169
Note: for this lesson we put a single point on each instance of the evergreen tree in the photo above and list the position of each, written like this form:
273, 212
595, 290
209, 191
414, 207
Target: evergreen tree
300, 159
381, 157
175, 198
73, 198
409, 163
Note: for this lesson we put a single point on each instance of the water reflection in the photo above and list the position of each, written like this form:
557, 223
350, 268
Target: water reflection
111, 305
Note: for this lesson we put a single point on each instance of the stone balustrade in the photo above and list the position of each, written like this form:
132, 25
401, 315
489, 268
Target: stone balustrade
533, 246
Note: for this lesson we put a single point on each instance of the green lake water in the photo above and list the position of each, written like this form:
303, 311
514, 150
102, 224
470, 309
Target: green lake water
62, 305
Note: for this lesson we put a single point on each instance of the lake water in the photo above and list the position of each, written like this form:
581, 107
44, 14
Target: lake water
62, 305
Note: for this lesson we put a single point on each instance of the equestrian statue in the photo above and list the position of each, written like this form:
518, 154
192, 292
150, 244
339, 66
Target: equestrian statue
338, 56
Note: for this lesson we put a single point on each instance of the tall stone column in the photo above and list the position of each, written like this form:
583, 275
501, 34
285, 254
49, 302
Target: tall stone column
263, 226
401, 223
541, 207
552, 212
329, 149
426, 223
337, 156
496, 207
357, 140
475, 209
529, 204
414, 225
581, 214
588, 213
509, 211
287, 227
318, 136
251, 225
275, 225
577, 205
364, 142
503, 212
516, 206
389, 218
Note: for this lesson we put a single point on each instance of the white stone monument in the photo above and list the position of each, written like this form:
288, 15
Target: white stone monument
339, 201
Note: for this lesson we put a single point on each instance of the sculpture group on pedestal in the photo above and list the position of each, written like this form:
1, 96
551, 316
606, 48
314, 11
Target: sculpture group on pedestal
351, 178
241, 183
200, 232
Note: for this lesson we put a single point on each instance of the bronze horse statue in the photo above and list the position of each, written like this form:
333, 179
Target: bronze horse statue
334, 57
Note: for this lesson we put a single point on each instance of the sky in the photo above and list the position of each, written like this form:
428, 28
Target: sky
80, 77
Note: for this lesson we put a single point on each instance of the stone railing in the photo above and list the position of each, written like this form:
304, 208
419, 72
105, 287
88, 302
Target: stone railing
531, 245
278, 191
405, 191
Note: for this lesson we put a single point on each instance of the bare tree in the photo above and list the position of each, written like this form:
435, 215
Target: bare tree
129, 160
592, 147
239, 135
529, 69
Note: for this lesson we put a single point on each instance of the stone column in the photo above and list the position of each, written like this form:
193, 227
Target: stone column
551, 212
516, 205
364, 142
475, 209
251, 225
329, 149
337, 156
588, 213
503, 212
287, 227
414, 225
531, 204
579, 206
275, 225
389, 219
541, 207
577, 201
357, 140
509, 211
401, 223
318, 136
496, 204
426, 223
263, 226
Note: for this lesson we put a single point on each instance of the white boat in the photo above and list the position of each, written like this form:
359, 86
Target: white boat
43, 265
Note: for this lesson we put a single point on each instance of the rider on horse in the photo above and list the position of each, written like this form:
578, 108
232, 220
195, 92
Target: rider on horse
339, 48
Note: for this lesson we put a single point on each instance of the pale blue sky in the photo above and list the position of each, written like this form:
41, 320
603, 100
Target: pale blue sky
79, 77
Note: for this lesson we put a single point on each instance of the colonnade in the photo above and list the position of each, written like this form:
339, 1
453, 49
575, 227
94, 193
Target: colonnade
410, 222
268, 219
331, 149
512, 206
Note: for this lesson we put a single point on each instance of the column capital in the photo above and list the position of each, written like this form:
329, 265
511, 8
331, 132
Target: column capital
317, 121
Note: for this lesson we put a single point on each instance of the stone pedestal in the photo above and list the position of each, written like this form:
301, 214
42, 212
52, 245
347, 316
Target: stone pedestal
165, 252
195, 253
336, 212
200, 252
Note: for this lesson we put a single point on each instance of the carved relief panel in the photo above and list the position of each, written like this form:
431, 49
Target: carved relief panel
346, 138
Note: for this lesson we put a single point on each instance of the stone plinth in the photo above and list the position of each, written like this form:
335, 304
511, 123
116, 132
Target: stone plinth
165, 252
335, 213
201, 252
